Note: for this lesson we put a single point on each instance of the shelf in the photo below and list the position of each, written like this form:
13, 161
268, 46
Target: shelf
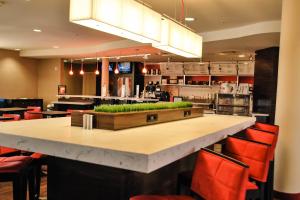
233, 105
152, 75
196, 75
196, 85
171, 85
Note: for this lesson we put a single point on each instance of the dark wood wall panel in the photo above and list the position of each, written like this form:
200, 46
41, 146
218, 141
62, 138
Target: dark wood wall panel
265, 83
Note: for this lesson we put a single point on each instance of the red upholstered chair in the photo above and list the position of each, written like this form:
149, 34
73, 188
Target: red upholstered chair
264, 137
215, 177
34, 108
15, 116
16, 169
254, 154
267, 127
30, 115
4, 152
268, 138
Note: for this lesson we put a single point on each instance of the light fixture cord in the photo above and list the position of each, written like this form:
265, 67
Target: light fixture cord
182, 11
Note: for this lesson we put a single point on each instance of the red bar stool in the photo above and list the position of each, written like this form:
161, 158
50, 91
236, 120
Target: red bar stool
215, 177
5, 152
16, 169
267, 127
29, 115
254, 154
270, 138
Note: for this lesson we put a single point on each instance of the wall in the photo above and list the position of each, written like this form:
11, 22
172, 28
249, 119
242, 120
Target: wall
18, 76
49, 77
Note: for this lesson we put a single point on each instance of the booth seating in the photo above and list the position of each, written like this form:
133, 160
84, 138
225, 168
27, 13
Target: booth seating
30, 115
211, 181
16, 170
257, 156
15, 116
34, 108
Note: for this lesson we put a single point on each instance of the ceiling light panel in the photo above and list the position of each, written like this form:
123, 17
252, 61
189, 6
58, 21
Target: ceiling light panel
179, 40
125, 18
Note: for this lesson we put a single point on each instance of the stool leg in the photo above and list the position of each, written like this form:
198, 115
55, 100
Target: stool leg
31, 183
20, 187
38, 181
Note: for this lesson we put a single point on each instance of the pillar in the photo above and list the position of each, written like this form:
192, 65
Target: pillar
287, 161
105, 77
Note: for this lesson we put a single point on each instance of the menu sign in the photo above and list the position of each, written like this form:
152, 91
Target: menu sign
196, 68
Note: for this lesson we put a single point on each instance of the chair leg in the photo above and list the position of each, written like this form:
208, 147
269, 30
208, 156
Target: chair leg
20, 187
38, 181
31, 183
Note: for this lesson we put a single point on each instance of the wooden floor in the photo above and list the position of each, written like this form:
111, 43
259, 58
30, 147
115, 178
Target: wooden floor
6, 190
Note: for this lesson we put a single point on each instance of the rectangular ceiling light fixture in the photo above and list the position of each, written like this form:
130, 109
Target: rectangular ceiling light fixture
125, 18
132, 20
179, 40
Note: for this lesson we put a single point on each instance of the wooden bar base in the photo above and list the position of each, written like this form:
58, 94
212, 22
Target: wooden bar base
74, 180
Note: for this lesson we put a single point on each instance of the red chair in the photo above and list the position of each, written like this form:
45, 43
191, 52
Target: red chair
267, 127
5, 152
16, 169
264, 137
215, 177
34, 108
254, 154
15, 116
268, 138
31, 115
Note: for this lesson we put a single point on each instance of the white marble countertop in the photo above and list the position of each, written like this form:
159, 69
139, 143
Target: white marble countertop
142, 149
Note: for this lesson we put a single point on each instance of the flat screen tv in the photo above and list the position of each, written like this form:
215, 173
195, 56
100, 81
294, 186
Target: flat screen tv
125, 68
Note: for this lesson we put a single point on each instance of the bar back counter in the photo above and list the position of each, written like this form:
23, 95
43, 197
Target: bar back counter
115, 165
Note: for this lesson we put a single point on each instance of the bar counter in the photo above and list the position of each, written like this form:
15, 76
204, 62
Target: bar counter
104, 164
142, 149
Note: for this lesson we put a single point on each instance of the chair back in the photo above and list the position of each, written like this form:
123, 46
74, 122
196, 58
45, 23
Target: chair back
34, 108
218, 177
267, 127
15, 116
29, 115
264, 137
254, 154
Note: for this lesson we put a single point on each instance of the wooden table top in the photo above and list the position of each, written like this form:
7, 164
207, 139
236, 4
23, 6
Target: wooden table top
12, 109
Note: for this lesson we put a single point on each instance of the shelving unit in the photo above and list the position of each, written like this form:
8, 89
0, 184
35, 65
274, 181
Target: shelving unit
230, 104
213, 74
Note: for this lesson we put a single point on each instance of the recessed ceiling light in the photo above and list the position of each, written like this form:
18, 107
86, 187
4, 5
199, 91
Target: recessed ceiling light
37, 30
189, 19
55, 47
241, 56
17, 49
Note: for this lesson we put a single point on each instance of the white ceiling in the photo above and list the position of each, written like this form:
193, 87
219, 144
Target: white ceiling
19, 17
214, 15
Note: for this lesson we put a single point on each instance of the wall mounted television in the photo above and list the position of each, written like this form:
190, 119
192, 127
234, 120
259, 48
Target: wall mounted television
125, 68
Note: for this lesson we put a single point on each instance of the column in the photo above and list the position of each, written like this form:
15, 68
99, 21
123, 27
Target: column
105, 77
287, 161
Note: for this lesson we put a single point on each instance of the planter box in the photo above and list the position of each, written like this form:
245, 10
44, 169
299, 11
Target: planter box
118, 121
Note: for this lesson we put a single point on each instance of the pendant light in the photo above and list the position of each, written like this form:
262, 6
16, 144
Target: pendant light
117, 69
81, 70
71, 73
144, 70
97, 70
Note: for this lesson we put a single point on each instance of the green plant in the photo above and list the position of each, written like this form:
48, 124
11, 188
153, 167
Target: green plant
141, 107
